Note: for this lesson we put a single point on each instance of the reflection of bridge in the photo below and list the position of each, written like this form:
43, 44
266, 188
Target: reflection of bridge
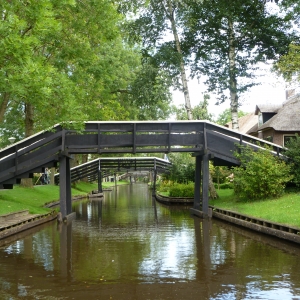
108, 166
207, 141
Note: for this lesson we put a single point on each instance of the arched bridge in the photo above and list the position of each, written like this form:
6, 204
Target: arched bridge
205, 140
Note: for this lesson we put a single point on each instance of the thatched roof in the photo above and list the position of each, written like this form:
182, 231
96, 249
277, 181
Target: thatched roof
287, 117
267, 108
245, 123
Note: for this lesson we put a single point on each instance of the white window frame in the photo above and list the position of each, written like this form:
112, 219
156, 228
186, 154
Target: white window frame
283, 136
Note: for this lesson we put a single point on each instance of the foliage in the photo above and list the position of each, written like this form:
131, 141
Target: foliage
224, 186
293, 152
199, 112
182, 190
225, 116
219, 174
69, 60
289, 64
208, 37
261, 174
183, 168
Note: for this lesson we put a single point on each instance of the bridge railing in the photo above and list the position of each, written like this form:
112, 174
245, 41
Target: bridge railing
111, 165
26, 157
44, 149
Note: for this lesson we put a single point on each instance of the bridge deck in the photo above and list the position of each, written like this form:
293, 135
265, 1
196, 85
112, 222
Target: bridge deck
44, 149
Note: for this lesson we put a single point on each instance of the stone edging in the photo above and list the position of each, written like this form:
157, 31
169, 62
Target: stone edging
25, 224
173, 200
281, 231
260, 225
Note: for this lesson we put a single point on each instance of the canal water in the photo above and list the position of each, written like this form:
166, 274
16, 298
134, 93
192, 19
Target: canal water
128, 246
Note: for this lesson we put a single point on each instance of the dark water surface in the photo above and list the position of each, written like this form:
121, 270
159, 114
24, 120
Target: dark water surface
128, 246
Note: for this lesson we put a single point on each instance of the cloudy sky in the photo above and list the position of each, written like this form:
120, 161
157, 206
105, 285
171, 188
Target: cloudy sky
271, 90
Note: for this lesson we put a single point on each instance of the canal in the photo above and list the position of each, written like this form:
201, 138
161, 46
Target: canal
128, 246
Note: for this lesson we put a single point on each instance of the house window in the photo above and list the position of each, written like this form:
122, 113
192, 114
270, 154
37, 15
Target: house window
287, 138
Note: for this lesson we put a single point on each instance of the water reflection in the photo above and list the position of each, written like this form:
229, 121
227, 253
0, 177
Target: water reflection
128, 246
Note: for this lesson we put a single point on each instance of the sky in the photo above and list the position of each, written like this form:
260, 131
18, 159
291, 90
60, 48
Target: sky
271, 90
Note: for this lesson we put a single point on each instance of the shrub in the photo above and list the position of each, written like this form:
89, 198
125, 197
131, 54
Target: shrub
225, 186
293, 152
261, 174
182, 190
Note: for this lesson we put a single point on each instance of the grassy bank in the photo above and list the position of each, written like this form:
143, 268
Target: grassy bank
284, 210
35, 198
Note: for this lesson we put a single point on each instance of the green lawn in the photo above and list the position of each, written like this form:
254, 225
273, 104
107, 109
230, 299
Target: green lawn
284, 210
35, 198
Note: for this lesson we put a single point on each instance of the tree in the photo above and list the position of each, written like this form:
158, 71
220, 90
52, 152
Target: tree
261, 174
69, 60
225, 116
156, 20
227, 39
289, 64
183, 168
199, 112
293, 153
148, 96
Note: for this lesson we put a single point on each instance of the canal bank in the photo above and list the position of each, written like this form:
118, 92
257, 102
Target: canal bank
128, 246
282, 231
15, 222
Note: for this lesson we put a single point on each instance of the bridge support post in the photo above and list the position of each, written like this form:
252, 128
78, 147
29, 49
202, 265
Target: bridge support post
65, 186
201, 189
154, 183
197, 192
205, 184
100, 189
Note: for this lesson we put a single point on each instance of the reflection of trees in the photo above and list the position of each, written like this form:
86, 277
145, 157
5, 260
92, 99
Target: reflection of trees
131, 242
257, 260
127, 243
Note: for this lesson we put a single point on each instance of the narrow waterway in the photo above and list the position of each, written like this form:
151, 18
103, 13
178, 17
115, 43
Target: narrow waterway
128, 246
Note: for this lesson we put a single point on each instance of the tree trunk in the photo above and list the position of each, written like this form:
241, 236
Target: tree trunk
3, 105
188, 108
232, 78
29, 123
212, 191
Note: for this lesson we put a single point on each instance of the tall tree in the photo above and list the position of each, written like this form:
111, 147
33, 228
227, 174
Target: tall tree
225, 116
227, 39
158, 25
199, 112
68, 60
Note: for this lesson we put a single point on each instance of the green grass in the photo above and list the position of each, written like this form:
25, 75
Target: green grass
34, 199
284, 210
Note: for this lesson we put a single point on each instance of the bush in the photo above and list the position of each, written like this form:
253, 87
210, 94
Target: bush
293, 152
182, 190
225, 186
261, 174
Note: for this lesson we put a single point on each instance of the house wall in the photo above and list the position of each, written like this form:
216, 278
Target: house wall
277, 137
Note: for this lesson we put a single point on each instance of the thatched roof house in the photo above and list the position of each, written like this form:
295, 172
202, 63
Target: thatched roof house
278, 123
246, 123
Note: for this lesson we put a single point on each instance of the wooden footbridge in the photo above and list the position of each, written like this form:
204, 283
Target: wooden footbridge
99, 168
205, 140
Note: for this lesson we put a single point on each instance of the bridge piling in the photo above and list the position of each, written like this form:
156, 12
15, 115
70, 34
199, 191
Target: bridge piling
65, 185
201, 188
197, 187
